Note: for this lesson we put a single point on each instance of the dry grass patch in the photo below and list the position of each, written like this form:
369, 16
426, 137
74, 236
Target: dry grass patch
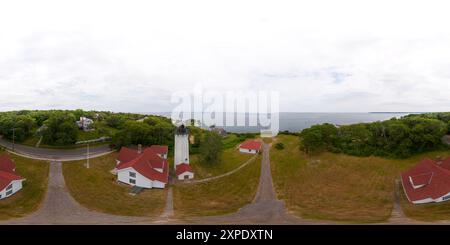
224, 195
97, 189
337, 186
32, 194
230, 160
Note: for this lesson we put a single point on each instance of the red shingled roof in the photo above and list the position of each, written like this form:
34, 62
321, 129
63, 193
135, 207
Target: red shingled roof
127, 154
159, 149
445, 163
6, 178
6, 164
7, 172
251, 145
146, 164
182, 168
426, 180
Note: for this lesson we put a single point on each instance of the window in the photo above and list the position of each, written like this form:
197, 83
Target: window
8, 193
186, 177
132, 181
132, 174
446, 198
9, 187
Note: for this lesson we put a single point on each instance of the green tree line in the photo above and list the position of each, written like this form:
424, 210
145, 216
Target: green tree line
397, 138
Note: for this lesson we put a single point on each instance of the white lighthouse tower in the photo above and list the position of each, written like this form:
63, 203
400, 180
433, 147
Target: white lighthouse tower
181, 146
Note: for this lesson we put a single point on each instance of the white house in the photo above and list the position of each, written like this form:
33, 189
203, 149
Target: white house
184, 172
181, 159
85, 123
10, 181
250, 146
427, 182
146, 169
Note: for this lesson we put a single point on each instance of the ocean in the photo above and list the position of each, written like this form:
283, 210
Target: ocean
297, 121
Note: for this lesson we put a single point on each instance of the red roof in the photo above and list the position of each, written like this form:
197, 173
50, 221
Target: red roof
6, 164
6, 178
147, 164
182, 168
445, 163
251, 145
7, 171
159, 149
426, 180
127, 154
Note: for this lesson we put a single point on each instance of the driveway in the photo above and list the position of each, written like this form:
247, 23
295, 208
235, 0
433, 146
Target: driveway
265, 207
55, 154
59, 207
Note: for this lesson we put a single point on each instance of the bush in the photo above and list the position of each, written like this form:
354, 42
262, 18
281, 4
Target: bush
279, 146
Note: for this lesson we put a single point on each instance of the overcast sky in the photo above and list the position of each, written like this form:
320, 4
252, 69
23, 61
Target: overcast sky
324, 56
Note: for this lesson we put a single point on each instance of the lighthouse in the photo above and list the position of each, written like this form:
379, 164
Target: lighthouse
181, 146
182, 169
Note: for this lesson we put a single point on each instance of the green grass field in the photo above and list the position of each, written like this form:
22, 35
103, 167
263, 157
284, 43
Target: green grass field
231, 159
34, 188
341, 187
220, 196
96, 188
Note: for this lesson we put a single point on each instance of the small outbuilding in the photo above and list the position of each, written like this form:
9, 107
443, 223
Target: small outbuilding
250, 146
184, 172
10, 181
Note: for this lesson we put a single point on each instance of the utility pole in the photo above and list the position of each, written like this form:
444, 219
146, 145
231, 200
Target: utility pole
14, 136
87, 160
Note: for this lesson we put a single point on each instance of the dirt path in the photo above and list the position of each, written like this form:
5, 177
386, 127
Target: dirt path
265, 207
168, 210
218, 176
59, 207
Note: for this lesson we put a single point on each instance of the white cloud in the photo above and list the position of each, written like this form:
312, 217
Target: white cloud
131, 55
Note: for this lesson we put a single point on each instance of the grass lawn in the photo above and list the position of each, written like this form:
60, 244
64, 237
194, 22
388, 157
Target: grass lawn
32, 194
231, 159
220, 196
337, 186
96, 188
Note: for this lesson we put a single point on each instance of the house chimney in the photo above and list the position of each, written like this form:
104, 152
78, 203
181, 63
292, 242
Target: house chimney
139, 148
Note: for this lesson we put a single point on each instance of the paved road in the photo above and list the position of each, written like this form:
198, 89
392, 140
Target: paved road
265, 208
59, 207
55, 154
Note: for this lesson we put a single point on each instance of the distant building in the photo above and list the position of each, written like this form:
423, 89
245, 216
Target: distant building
146, 168
427, 182
10, 181
85, 123
181, 159
220, 131
250, 146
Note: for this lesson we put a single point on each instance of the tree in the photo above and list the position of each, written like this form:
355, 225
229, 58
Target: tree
318, 138
19, 126
211, 148
61, 129
115, 121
